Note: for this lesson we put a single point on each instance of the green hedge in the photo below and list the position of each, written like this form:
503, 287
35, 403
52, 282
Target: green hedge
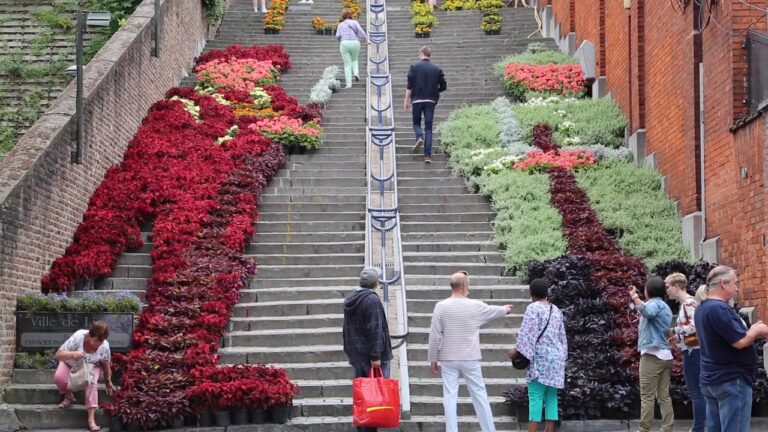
629, 201
595, 122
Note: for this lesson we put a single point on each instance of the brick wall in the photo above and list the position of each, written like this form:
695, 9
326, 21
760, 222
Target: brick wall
43, 195
616, 53
562, 10
651, 71
669, 77
587, 17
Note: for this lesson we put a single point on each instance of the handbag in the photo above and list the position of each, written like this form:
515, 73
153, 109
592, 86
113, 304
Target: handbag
521, 362
376, 401
80, 376
690, 340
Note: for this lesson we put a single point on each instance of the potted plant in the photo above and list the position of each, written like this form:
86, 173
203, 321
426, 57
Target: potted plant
491, 24
329, 29
256, 400
210, 397
280, 393
318, 24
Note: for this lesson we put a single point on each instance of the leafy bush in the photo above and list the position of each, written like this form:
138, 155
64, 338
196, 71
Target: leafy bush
510, 134
526, 224
576, 121
629, 200
117, 303
36, 360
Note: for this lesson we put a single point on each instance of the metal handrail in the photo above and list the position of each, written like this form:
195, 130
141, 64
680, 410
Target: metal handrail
382, 220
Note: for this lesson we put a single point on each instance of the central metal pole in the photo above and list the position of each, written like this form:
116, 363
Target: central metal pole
77, 156
156, 50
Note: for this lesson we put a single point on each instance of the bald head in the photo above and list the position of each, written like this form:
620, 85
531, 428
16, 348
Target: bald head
459, 280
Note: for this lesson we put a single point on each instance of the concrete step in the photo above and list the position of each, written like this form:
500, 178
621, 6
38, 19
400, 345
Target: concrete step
426, 226
451, 218
284, 337
339, 198
305, 216
311, 260
41, 394
491, 352
311, 207
455, 257
260, 281
497, 336
440, 268
310, 272
352, 247
453, 198
37, 417
437, 236
458, 246
330, 181
312, 190
491, 369
307, 237
294, 293
283, 354
480, 292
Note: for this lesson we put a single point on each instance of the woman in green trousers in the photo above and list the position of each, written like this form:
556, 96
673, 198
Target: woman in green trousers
349, 34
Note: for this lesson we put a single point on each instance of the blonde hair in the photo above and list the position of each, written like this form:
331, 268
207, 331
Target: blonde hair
677, 279
701, 294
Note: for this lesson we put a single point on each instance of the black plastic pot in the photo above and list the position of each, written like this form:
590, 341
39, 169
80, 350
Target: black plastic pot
279, 413
177, 423
133, 427
222, 418
259, 416
205, 419
319, 31
239, 416
190, 420
115, 424
422, 35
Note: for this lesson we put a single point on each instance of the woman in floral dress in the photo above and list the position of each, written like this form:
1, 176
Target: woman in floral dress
547, 354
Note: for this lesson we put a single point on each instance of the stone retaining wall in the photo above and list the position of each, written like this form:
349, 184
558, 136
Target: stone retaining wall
43, 194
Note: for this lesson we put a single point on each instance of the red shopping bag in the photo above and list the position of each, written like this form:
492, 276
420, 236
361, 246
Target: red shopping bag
376, 401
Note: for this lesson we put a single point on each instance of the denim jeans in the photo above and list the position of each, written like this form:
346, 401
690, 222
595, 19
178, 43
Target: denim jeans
729, 406
692, 374
428, 109
473, 376
364, 370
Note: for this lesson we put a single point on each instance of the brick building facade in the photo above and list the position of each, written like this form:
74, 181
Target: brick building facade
679, 71
43, 194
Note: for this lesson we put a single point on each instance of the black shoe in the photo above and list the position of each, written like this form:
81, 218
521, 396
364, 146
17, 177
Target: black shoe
357, 78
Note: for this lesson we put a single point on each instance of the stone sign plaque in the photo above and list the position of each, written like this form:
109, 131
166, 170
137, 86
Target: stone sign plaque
39, 331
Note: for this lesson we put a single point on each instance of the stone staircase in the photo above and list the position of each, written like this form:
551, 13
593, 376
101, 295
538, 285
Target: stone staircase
445, 227
310, 236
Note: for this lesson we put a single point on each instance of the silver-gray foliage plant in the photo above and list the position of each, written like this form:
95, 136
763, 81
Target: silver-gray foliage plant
509, 128
328, 83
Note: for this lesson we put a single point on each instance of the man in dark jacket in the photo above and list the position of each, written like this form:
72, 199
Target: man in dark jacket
366, 334
425, 83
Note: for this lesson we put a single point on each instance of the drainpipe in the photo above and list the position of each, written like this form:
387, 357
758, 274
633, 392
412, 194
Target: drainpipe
703, 176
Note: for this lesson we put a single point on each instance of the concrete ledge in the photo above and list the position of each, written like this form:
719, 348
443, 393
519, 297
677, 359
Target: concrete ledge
692, 231
637, 145
600, 88
711, 250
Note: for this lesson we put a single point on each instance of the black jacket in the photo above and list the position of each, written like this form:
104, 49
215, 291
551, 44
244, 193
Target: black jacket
366, 334
425, 81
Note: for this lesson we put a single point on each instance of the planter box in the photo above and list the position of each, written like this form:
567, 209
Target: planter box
38, 331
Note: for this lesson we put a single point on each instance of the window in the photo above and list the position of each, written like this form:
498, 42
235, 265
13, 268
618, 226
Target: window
757, 46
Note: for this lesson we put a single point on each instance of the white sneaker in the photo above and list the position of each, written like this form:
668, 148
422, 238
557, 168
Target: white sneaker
264, 10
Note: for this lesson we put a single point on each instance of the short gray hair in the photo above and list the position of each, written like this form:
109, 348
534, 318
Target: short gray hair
719, 274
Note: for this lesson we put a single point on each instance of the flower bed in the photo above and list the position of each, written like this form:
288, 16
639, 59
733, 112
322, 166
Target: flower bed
197, 167
566, 80
535, 53
423, 18
576, 122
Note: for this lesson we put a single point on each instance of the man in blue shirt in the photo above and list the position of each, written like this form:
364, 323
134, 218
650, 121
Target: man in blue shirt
728, 355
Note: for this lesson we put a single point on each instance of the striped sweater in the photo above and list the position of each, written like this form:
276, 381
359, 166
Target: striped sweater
455, 330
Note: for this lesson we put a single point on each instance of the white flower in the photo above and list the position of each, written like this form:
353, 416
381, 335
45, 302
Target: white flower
189, 106
566, 125
561, 113
570, 141
503, 163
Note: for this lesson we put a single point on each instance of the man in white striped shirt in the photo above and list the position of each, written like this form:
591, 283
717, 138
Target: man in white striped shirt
454, 342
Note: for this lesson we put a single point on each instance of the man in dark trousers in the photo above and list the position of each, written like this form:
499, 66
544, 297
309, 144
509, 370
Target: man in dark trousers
425, 83
366, 334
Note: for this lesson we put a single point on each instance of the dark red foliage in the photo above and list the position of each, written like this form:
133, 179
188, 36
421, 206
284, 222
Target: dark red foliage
542, 138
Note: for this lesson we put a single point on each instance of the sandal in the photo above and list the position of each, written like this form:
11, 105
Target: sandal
67, 402
94, 428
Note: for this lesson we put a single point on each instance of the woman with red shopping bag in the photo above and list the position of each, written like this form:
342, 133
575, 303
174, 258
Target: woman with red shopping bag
366, 337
